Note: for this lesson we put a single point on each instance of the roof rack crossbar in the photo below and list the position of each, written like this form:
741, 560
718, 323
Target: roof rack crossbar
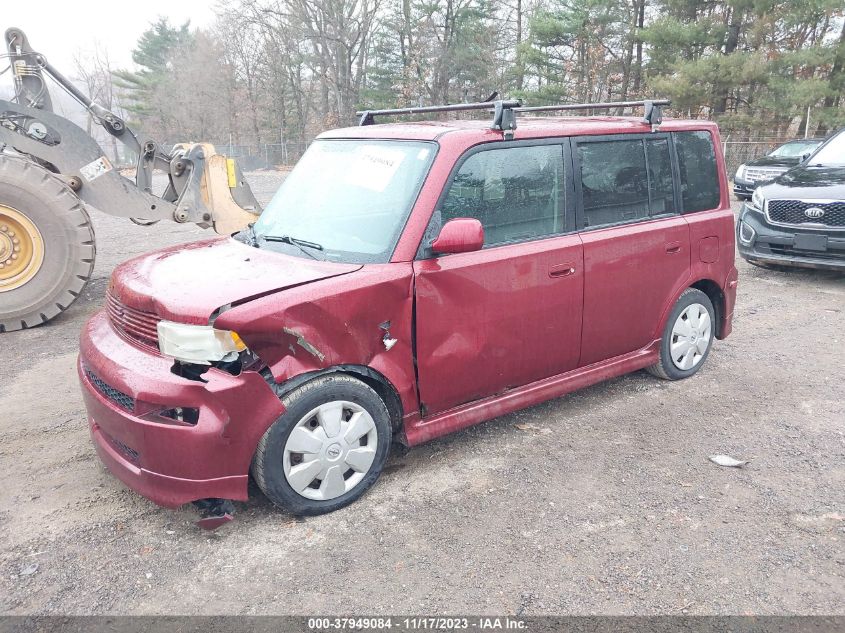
504, 110
653, 113
368, 116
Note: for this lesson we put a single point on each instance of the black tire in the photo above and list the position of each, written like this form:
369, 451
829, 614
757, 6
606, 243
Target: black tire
267, 465
664, 367
68, 244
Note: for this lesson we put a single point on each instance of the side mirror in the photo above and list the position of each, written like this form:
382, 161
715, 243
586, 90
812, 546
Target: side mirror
805, 156
460, 235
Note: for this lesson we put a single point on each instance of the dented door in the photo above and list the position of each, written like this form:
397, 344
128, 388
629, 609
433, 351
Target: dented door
496, 319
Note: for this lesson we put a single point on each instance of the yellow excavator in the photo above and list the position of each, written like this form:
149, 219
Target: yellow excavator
52, 172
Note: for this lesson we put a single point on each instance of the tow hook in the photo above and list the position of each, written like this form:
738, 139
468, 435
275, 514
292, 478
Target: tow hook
214, 512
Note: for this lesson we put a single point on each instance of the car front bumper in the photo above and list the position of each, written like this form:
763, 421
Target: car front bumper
778, 245
743, 188
125, 387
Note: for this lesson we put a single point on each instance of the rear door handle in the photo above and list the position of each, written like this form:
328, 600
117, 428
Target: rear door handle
562, 270
673, 247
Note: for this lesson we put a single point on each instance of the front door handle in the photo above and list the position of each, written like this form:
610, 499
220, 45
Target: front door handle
562, 270
673, 247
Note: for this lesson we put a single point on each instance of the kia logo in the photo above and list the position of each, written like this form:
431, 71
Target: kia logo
814, 212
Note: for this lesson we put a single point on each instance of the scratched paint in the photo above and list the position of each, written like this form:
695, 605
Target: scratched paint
304, 344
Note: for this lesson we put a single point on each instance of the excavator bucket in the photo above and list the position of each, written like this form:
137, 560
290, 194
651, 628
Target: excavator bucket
224, 191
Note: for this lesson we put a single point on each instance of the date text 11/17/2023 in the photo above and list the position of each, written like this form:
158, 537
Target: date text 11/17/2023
417, 623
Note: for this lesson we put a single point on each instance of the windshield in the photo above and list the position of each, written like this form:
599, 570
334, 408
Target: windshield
832, 153
347, 200
795, 150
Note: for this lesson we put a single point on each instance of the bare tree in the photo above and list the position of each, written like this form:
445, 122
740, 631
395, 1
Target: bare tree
94, 72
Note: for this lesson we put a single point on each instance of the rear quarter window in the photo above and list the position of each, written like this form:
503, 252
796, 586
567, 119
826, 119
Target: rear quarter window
699, 174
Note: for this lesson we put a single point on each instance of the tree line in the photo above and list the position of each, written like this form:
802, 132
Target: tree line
283, 70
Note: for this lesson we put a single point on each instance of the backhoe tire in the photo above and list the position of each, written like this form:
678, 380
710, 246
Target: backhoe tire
46, 245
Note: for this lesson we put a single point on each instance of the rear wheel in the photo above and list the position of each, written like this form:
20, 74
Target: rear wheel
46, 245
687, 338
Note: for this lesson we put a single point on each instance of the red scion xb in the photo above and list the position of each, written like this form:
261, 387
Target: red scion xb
406, 281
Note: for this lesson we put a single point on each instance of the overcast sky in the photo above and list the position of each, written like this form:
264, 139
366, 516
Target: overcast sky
63, 29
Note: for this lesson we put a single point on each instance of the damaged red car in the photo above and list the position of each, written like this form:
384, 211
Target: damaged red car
408, 280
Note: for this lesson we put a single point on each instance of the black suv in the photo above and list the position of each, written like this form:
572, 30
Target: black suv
798, 219
772, 165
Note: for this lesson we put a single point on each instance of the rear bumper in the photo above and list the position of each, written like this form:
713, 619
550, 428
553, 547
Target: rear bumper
770, 245
168, 462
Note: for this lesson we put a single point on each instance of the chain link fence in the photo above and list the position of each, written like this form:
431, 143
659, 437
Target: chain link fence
263, 155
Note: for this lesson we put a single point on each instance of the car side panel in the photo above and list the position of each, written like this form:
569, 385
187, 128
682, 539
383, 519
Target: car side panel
712, 242
631, 274
339, 322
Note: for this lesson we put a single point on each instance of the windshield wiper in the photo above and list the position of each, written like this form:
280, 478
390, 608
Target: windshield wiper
293, 241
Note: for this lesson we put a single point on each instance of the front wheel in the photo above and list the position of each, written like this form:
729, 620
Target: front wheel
326, 449
687, 338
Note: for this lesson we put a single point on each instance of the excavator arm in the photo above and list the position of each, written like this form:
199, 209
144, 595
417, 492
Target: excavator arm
52, 171
204, 187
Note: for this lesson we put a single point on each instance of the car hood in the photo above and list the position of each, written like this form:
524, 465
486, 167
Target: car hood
187, 283
773, 161
810, 182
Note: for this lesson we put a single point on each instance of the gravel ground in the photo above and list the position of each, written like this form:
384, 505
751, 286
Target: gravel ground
599, 502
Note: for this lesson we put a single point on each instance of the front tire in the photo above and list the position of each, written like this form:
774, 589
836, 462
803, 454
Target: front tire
327, 449
687, 337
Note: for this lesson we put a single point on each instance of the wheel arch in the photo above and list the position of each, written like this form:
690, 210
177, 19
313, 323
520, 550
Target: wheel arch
717, 298
377, 381
713, 291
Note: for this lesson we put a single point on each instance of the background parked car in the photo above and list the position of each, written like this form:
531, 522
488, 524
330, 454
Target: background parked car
799, 218
771, 165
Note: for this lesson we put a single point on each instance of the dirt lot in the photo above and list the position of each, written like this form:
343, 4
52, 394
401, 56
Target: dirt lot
600, 502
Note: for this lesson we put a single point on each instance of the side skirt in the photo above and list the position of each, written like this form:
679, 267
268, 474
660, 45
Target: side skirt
461, 417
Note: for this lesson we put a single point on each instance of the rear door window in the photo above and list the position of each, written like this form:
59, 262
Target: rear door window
625, 180
699, 175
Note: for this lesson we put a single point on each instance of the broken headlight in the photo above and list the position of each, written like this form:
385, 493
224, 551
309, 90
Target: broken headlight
200, 344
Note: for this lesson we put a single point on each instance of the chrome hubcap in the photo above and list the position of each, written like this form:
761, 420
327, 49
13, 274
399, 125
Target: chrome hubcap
690, 337
330, 450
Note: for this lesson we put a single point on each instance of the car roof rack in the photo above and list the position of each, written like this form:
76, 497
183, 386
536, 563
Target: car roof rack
504, 118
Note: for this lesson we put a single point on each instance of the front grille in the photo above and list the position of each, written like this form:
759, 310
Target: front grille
116, 396
792, 212
755, 174
139, 325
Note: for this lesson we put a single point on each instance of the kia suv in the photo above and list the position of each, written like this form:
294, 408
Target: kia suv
799, 218
406, 281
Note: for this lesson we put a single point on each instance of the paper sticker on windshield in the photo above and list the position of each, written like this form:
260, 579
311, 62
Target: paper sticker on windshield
373, 166
95, 169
